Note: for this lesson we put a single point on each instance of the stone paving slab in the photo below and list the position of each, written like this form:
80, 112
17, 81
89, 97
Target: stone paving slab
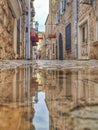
68, 64
7, 64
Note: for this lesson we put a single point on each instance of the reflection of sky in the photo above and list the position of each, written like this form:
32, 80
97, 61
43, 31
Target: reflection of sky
41, 116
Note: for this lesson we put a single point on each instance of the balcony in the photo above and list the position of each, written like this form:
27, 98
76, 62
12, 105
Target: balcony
15, 7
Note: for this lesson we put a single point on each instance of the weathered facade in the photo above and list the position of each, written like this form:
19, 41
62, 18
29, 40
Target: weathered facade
75, 24
12, 29
62, 19
6, 31
88, 29
65, 29
48, 42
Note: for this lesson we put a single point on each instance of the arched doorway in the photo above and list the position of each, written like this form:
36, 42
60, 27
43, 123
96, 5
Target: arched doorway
60, 47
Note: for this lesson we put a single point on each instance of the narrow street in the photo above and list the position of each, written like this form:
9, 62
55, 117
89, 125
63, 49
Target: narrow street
49, 65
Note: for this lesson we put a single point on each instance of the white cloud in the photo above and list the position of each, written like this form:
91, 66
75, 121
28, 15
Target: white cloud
41, 12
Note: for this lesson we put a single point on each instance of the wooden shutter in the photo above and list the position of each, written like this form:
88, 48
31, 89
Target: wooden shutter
68, 37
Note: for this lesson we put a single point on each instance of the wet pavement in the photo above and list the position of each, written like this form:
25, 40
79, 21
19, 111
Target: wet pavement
7, 64
44, 95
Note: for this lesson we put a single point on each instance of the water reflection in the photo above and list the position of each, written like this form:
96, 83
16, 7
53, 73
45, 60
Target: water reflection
41, 116
27, 93
72, 99
17, 86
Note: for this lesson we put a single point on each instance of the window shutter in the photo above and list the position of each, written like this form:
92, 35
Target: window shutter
63, 5
68, 37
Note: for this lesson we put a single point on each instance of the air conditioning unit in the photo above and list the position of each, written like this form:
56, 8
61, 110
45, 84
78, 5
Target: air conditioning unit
68, 1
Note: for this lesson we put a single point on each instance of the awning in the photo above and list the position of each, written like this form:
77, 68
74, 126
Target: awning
34, 36
16, 8
51, 36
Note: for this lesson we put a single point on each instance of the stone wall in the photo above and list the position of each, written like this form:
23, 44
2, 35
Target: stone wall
86, 12
69, 18
66, 18
6, 31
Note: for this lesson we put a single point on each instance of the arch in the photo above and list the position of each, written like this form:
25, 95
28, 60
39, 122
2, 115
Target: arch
60, 47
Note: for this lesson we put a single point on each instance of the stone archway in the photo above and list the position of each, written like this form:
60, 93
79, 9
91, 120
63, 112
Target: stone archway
60, 47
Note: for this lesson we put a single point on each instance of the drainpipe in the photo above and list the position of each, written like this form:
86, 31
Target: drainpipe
76, 29
27, 42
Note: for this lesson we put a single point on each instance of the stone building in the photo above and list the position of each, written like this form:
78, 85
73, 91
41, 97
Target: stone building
88, 29
50, 30
62, 19
47, 40
30, 13
75, 25
65, 29
10, 25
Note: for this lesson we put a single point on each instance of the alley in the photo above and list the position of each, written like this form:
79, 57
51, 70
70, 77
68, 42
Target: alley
49, 65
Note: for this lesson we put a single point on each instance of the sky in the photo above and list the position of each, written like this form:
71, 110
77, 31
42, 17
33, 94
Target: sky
41, 12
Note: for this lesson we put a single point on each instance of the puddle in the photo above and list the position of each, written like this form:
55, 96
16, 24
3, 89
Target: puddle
49, 99
41, 116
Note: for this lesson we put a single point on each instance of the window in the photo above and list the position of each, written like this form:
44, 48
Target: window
26, 29
26, 12
84, 33
68, 37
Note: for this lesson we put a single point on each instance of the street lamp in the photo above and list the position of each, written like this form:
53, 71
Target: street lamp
36, 26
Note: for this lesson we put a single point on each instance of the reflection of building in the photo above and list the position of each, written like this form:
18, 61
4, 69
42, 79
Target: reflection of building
21, 118
17, 86
72, 98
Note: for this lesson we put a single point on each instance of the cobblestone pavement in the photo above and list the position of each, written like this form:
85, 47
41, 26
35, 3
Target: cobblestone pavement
7, 64
68, 64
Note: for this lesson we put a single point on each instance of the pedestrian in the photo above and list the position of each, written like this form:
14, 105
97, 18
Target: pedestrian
37, 56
